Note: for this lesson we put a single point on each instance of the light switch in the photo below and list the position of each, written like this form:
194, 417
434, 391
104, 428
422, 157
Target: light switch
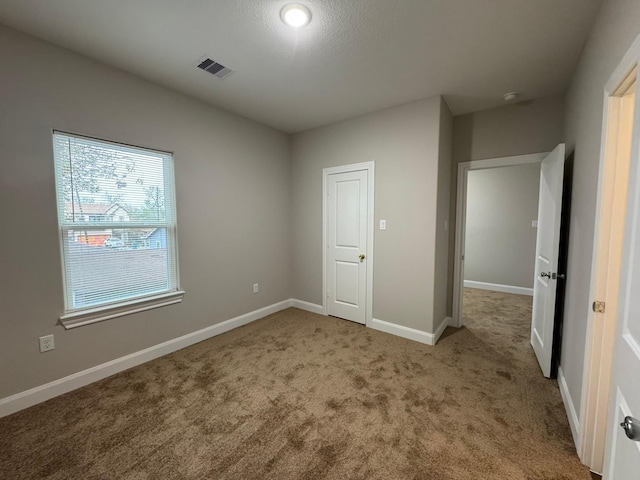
383, 224
534, 223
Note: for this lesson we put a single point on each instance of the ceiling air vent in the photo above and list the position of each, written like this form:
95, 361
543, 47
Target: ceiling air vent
214, 68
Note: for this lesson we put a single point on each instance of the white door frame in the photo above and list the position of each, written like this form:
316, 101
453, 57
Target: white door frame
370, 168
600, 336
461, 217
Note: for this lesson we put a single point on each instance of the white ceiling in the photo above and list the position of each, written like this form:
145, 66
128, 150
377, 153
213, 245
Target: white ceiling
356, 56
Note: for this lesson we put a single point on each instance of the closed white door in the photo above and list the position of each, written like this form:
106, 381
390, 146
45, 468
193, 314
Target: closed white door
547, 247
622, 457
346, 243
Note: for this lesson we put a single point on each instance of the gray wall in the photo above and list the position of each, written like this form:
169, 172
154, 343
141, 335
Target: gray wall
616, 27
404, 143
518, 129
233, 201
500, 243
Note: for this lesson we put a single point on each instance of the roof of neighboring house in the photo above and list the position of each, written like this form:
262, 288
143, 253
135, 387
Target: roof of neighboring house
94, 208
105, 270
150, 233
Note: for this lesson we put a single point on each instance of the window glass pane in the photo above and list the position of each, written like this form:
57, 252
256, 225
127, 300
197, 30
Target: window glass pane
104, 266
108, 183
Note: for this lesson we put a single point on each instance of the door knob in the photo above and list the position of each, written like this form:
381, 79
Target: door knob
546, 275
361, 256
631, 427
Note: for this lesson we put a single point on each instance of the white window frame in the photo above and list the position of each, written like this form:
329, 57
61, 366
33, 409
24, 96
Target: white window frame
76, 317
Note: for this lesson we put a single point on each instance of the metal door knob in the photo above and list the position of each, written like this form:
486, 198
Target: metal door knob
361, 256
631, 427
546, 275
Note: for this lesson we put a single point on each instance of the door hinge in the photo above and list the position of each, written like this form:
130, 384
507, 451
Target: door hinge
598, 307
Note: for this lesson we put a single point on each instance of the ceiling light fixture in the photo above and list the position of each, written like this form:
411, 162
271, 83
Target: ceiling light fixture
509, 97
295, 15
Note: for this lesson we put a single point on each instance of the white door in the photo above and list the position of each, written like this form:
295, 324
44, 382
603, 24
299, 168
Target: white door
622, 457
547, 247
346, 242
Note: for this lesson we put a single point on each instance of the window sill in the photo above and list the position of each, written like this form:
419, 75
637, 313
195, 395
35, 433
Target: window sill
100, 314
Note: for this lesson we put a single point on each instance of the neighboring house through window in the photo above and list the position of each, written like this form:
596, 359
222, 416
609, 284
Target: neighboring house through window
113, 199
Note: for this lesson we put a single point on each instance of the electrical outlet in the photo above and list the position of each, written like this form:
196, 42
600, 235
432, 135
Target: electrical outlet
256, 288
46, 343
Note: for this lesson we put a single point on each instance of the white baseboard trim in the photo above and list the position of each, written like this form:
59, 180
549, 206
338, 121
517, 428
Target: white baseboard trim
443, 325
496, 287
33, 396
572, 415
401, 331
309, 307
409, 333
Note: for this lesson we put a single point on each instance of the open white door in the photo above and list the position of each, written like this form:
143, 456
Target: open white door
622, 456
346, 237
547, 247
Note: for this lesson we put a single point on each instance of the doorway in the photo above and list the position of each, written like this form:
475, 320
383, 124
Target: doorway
607, 269
348, 215
495, 278
547, 245
500, 246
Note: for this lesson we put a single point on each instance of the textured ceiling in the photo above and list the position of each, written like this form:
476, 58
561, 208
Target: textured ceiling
356, 56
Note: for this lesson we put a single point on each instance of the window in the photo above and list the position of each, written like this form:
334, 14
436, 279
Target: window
111, 198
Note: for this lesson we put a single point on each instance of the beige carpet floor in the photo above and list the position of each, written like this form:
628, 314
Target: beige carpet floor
300, 396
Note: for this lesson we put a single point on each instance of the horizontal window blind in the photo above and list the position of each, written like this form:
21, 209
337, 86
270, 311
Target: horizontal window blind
116, 212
